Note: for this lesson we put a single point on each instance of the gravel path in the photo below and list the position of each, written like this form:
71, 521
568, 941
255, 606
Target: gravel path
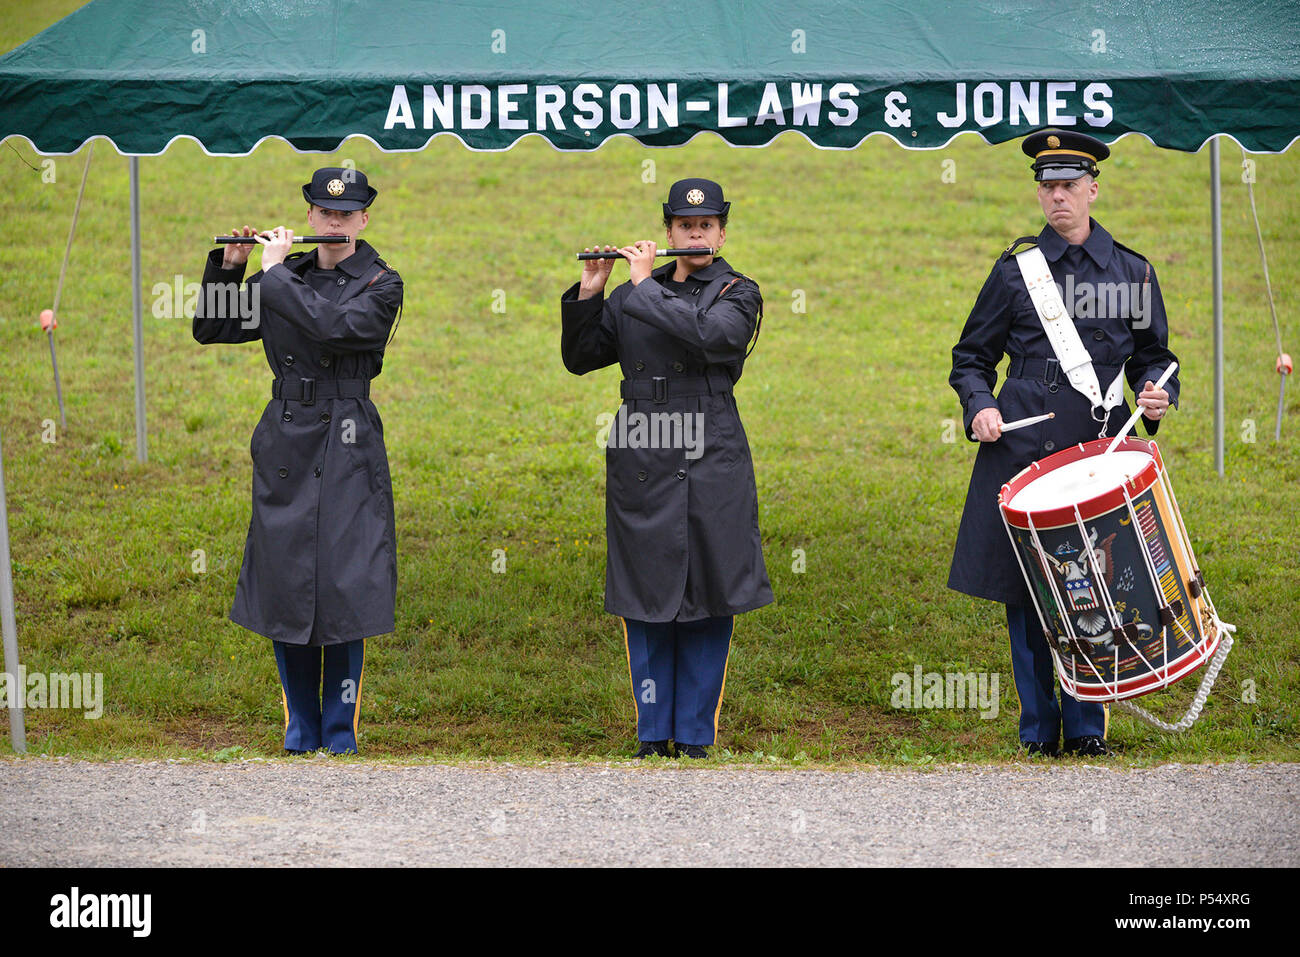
318, 812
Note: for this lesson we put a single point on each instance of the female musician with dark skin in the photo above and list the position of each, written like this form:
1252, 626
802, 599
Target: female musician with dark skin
684, 554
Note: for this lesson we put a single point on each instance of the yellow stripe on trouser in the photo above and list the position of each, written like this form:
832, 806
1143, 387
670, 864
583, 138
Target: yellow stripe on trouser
723, 690
631, 684
356, 713
285, 701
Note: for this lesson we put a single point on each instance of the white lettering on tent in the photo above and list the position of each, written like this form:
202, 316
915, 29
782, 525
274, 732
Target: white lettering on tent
806, 99
507, 107
1093, 95
987, 117
590, 113
846, 110
1024, 106
550, 98
769, 107
958, 116
468, 94
723, 119
628, 94
653, 106
661, 106
441, 106
1055, 104
399, 110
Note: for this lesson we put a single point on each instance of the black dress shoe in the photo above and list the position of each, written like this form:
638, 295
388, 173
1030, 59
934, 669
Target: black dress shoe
1089, 746
1045, 748
692, 751
653, 749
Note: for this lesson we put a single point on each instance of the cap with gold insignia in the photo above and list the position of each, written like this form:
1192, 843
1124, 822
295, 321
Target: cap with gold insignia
334, 187
1064, 154
695, 197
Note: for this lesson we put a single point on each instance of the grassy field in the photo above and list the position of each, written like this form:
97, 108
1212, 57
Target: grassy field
492, 445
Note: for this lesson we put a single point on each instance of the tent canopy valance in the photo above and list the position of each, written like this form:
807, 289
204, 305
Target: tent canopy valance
231, 73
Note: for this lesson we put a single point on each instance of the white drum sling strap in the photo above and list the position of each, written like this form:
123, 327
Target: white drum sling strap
1059, 328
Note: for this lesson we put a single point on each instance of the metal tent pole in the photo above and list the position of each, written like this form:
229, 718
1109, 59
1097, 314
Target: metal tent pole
141, 444
17, 723
1216, 237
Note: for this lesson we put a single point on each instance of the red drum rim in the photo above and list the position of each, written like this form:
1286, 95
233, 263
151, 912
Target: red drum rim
1162, 677
1089, 508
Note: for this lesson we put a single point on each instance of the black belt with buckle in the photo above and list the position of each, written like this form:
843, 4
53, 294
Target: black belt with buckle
307, 391
1049, 370
659, 389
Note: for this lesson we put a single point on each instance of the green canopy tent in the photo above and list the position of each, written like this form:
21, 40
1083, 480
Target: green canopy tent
401, 72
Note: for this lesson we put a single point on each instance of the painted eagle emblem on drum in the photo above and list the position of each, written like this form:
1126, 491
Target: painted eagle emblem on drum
1079, 577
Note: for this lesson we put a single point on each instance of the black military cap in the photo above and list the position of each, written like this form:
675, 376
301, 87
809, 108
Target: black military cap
337, 188
695, 197
1064, 154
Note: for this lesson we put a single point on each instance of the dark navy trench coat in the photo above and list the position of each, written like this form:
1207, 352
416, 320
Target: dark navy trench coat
681, 531
320, 560
1130, 335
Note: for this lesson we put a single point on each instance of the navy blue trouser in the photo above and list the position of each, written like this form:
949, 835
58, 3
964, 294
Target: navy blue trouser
679, 669
1041, 718
317, 716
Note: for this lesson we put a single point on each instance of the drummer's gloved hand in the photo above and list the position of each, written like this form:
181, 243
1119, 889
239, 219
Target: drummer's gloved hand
987, 425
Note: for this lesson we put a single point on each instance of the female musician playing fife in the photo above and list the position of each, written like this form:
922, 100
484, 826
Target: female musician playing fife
681, 509
320, 563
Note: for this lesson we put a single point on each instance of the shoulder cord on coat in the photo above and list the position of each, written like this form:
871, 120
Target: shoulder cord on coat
758, 326
393, 333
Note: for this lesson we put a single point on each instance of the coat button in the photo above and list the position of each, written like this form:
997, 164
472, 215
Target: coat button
1049, 445
288, 360
639, 365
1053, 387
317, 471
288, 416
325, 362
678, 367
1099, 335
640, 476
681, 473
282, 472
324, 416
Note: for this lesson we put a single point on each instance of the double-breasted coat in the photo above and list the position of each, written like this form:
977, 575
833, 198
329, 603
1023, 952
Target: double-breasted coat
681, 523
1112, 294
320, 560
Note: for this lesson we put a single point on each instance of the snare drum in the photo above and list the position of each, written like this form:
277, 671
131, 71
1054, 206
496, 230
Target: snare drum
1107, 559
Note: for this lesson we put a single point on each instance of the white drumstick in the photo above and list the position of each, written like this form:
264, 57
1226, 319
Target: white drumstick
1031, 420
1132, 419
1021, 423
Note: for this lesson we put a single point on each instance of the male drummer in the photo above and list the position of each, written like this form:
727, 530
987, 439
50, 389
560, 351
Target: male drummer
1111, 296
